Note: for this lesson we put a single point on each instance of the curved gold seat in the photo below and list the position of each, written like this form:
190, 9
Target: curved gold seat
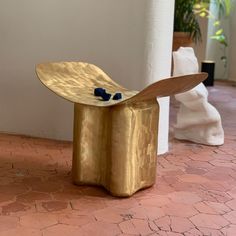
115, 141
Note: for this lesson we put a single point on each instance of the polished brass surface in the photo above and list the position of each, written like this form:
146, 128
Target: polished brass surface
168, 87
115, 142
116, 146
76, 81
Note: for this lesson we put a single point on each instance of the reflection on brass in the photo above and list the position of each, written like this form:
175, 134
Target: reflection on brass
76, 82
115, 141
116, 146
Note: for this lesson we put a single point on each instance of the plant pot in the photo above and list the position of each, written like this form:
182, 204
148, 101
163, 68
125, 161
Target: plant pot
209, 67
181, 39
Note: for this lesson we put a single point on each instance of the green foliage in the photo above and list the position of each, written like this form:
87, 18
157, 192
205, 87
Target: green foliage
188, 11
186, 20
221, 39
224, 7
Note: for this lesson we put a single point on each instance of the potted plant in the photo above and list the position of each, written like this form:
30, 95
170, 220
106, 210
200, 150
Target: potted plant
186, 21
186, 25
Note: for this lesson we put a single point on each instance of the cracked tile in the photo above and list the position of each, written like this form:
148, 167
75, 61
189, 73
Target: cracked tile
136, 227
231, 217
180, 225
209, 221
164, 223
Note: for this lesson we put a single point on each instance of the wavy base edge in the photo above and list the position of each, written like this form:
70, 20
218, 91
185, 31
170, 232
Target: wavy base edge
116, 147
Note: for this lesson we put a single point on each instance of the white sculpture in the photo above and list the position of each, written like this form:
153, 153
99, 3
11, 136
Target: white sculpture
197, 120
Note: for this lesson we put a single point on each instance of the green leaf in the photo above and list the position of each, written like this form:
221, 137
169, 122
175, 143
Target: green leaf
216, 23
202, 14
221, 39
219, 32
197, 6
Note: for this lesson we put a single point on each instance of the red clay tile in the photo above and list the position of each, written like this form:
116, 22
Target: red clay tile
14, 189
211, 232
5, 180
161, 187
193, 232
87, 206
229, 230
220, 208
194, 170
38, 220
147, 212
216, 186
209, 221
153, 226
200, 165
125, 203
67, 194
224, 163
232, 204
202, 207
179, 209
231, 217
16, 209
31, 197
73, 219
187, 187
184, 197
180, 225
214, 196
54, 205
220, 196
132, 234
232, 192
201, 157
220, 174
93, 191
6, 197
8, 222
21, 231
157, 201
111, 215
62, 230
136, 227
173, 234
164, 223
191, 178
101, 228
46, 186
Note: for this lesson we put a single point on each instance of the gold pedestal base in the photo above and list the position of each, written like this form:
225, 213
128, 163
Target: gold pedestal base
116, 146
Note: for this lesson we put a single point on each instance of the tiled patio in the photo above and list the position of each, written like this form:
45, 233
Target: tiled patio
195, 191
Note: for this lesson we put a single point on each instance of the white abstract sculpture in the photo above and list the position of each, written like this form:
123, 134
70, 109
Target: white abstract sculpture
197, 120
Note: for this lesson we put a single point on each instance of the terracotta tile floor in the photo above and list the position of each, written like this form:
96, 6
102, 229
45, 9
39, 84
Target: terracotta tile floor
195, 191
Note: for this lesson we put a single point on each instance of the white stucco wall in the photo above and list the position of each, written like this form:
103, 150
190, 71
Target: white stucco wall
129, 39
200, 47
